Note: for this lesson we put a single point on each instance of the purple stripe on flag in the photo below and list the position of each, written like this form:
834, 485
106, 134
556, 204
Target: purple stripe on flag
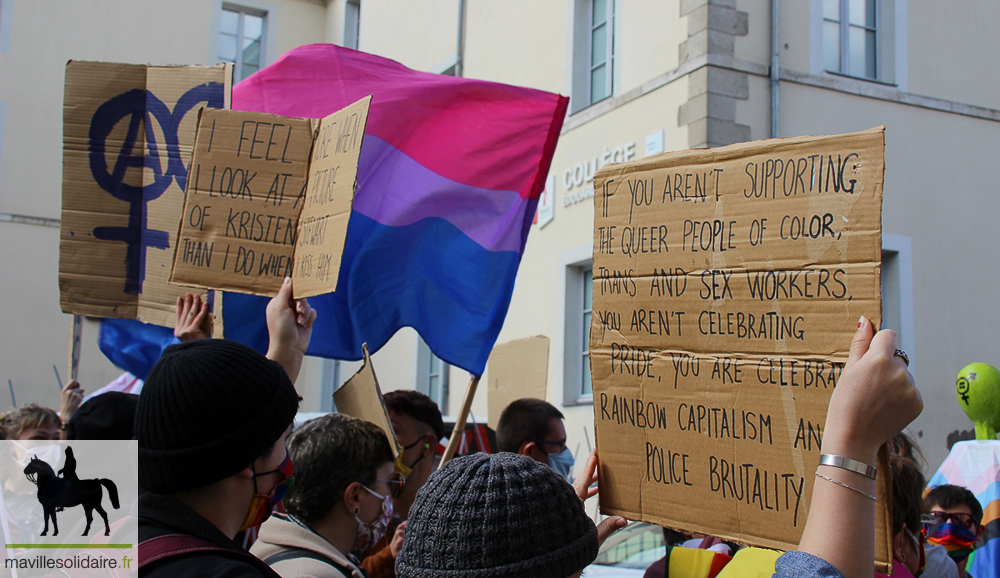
395, 190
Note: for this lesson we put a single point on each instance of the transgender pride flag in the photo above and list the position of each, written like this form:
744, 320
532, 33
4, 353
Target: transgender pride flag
450, 174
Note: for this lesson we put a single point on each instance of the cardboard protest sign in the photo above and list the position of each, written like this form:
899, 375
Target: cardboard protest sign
269, 197
727, 286
516, 369
127, 136
361, 397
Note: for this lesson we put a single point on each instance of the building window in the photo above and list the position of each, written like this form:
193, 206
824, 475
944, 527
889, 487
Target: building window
352, 23
593, 52
432, 376
241, 39
579, 292
851, 38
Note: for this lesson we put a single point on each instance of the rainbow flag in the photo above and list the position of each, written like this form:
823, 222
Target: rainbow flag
976, 465
448, 181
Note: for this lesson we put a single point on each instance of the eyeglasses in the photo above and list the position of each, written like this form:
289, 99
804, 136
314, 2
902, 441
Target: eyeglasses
396, 484
560, 446
938, 517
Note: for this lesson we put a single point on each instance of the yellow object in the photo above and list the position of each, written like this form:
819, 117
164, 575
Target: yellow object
751, 563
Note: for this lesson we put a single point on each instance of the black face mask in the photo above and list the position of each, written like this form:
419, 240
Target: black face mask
404, 469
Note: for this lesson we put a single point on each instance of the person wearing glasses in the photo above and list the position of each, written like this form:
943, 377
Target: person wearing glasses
954, 521
534, 428
340, 500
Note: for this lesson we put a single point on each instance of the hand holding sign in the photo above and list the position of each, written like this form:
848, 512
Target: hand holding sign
289, 323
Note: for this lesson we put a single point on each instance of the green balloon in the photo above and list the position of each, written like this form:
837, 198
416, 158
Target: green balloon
978, 391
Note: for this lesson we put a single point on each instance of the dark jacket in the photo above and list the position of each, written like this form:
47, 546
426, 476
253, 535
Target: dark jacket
160, 515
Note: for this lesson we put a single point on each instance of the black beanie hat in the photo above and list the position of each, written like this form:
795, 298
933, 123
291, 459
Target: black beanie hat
108, 416
496, 515
208, 409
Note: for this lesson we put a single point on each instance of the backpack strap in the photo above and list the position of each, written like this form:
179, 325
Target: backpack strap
171, 545
294, 553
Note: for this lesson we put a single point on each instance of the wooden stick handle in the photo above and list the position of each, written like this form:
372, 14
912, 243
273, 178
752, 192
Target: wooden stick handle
463, 416
74, 347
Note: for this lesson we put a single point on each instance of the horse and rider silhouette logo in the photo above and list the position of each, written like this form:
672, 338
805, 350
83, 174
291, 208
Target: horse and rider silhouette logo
56, 492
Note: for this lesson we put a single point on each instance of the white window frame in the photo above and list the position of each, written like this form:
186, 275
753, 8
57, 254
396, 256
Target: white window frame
574, 263
581, 53
424, 372
269, 10
897, 292
352, 24
890, 43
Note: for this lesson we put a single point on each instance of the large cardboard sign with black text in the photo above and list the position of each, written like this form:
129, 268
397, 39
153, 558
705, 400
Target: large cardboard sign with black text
269, 197
127, 136
727, 286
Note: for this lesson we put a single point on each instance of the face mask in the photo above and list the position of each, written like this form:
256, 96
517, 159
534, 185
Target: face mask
48, 454
370, 533
958, 541
406, 470
562, 463
263, 504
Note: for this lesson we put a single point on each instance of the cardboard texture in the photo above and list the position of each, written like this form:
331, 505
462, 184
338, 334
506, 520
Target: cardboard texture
127, 136
727, 286
516, 369
269, 197
361, 397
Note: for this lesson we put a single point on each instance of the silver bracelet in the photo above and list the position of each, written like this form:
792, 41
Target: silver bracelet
848, 464
842, 484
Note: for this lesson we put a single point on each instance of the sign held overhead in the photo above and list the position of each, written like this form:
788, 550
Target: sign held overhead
269, 197
127, 135
727, 286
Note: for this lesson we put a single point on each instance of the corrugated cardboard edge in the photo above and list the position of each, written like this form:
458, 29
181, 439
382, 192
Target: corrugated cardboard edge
367, 367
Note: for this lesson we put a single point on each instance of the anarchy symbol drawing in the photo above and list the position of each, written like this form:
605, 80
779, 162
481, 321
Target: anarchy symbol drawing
140, 108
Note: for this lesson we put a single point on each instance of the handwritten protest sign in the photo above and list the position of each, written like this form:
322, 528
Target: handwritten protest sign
361, 397
516, 369
269, 197
727, 286
127, 136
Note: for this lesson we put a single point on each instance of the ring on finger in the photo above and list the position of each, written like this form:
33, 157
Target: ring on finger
902, 354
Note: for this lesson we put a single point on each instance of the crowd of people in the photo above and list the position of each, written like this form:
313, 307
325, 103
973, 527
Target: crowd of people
334, 498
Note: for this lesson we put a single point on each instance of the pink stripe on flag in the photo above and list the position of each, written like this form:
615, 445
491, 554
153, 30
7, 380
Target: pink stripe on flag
470, 131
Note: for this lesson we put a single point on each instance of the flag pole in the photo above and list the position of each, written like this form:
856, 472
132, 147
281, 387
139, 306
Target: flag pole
74, 348
463, 416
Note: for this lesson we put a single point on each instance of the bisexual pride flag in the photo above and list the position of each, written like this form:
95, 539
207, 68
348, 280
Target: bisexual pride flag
449, 177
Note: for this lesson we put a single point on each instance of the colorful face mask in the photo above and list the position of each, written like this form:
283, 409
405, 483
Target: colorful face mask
263, 504
372, 532
958, 541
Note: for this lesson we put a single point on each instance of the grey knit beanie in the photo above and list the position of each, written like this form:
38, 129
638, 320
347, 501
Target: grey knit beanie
208, 409
496, 515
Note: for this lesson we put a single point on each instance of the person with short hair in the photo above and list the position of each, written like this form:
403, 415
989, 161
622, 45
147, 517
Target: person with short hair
211, 423
957, 524
341, 500
418, 426
534, 428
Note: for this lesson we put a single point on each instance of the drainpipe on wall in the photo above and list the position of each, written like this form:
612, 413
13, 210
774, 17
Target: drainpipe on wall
775, 70
461, 38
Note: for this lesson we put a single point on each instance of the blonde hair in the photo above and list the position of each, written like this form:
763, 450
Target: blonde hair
31, 416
